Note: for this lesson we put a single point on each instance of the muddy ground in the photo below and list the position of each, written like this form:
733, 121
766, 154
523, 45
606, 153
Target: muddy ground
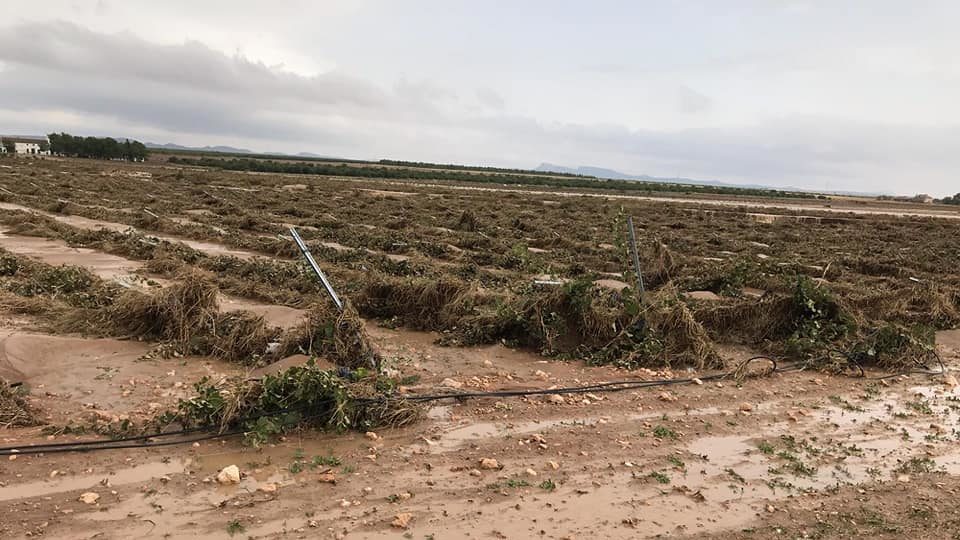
789, 455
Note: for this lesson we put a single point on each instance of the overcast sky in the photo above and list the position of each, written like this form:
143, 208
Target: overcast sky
838, 94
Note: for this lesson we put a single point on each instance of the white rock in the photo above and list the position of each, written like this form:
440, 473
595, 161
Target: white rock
489, 463
90, 497
229, 475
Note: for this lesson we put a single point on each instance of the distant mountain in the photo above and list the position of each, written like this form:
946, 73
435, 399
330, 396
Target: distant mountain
611, 174
222, 149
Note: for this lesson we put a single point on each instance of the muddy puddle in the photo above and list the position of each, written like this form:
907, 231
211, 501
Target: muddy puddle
93, 481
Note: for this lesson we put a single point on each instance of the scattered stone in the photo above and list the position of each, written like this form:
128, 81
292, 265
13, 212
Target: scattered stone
371, 435
269, 488
327, 478
345, 503
746, 407
666, 396
451, 383
771, 509
489, 464
90, 497
553, 465
229, 475
402, 520
950, 380
475, 472
556, 398
904, 479
540, 374
531, 472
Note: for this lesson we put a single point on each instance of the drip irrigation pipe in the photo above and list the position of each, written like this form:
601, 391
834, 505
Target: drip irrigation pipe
207, 432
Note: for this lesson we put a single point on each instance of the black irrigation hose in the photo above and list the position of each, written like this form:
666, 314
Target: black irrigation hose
142, 441
852, 360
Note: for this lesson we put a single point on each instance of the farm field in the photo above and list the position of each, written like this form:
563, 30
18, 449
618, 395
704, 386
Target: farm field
155, 296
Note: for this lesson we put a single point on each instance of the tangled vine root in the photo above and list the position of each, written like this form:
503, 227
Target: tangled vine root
14, 409
340, 337
685, 341
301, 396
177, 313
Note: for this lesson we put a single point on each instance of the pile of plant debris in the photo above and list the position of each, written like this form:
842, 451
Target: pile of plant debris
185, 316
336, 336
301, 396
15, 411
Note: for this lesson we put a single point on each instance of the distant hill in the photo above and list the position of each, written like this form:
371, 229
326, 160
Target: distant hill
600, 172
221, 149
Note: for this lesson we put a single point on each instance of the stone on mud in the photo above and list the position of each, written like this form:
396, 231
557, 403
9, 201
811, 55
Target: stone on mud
489, 463
229, 475
402, 520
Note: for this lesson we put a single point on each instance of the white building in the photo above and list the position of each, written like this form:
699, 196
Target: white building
25, 145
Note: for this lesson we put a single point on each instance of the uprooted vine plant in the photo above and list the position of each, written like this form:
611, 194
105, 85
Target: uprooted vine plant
301, 396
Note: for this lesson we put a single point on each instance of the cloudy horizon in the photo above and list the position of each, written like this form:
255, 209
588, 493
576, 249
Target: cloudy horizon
855, 96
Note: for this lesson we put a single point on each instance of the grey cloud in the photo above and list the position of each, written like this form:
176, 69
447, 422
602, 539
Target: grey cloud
190, 88
67, 48
490, 98
691, 101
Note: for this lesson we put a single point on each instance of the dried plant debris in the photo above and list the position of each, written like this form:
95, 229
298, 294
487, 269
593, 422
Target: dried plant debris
15, 410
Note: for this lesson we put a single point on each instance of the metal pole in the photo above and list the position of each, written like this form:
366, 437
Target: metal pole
316, 268
633, 252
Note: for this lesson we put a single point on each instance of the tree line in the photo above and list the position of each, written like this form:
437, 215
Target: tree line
954, 199
403, 173
65, 144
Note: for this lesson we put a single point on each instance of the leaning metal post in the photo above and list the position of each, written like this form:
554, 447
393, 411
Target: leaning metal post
316, 268
633, 252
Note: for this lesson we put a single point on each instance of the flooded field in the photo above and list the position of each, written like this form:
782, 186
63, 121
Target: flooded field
127, 296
